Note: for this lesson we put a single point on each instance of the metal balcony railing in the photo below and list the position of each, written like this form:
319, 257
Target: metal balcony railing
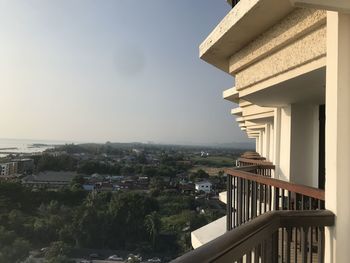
259, 241
268, 220
252, 192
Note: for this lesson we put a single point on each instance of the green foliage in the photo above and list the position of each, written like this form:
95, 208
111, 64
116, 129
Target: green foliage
68, 218
153, 226
12, 248
77, 183
91, 167
57, 252
199, 175
56, 163
215, 161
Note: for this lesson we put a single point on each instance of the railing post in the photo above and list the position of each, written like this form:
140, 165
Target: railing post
229, 203
239, 201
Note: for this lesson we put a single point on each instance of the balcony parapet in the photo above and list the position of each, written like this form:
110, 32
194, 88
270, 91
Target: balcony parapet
258, 240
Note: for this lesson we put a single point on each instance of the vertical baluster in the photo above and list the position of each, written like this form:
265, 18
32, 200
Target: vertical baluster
296, 230
277, 196
265, 198
239, 202
260, 198
236, 202
274, 253
229, 203
234, 209
304, 231
263, 252
270, 197
248, 257
289, 205
283, 199
269, 250
288, 243
310, 233
282, 230
244, 200
256, 254
247, 195
254, 199
295, 245
320, 245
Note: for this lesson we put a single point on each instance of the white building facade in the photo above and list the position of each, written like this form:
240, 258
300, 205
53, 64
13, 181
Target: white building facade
290, 60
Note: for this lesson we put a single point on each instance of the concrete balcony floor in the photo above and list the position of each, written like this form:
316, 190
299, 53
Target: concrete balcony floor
208, 232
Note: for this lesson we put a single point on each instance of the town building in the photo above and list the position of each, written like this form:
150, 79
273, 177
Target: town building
24, 166
288, 201
8, 169
204, 186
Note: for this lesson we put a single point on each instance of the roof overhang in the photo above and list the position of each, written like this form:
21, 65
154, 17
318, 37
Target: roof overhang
332, 5
247, 20
231, 95
237, 111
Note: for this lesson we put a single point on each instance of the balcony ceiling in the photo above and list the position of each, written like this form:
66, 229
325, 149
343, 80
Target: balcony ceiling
306, 88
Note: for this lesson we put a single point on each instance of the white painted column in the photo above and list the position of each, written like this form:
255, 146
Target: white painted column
283, 169
267, 141
338, 136
304, 144
277, 138
261, 141
264, 138
271, 141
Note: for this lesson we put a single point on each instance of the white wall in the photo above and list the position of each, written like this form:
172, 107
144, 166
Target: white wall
304, 146
283, 165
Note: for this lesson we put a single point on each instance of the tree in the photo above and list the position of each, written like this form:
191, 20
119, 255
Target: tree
199, 175
57, 249
153, 225
12, 248
77, 183
156, 183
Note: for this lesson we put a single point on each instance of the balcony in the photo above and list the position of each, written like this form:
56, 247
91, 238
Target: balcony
268, 220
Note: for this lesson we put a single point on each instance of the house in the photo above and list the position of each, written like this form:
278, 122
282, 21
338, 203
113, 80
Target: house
288, 200
88, 187
204, 186
49, 179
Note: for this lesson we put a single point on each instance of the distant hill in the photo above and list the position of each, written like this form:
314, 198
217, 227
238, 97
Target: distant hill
236, 145
118, 145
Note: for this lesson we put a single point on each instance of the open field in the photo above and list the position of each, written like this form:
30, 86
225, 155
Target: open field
212, 171
214, 161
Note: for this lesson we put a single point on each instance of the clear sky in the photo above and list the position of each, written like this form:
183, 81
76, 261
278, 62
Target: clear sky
117, 70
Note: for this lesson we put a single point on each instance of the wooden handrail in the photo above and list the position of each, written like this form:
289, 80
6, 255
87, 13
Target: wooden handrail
296, 188
253, 161
247, 168
234, 244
